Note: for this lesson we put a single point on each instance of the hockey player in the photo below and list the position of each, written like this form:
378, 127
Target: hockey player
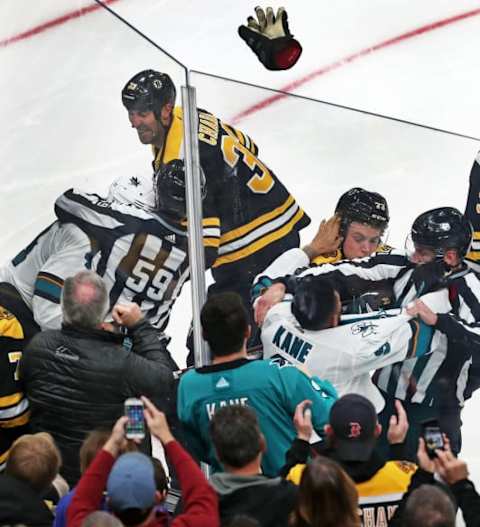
142, 256
259, 219
430, 386
472, 212
364, 219
304, 331
360, 221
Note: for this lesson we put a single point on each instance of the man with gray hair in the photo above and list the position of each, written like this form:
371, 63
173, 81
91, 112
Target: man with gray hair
77, 378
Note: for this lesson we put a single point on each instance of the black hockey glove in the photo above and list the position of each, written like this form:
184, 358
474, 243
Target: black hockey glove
270, 39
430, 277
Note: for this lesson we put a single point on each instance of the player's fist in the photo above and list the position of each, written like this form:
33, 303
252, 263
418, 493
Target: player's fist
270, 39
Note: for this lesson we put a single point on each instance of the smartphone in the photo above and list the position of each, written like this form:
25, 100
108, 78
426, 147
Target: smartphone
433, 437
135, 427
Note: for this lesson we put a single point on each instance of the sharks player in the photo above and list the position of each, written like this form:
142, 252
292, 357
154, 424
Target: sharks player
305, 331
431, 386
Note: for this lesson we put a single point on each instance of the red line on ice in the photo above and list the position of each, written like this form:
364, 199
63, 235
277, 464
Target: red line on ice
350, 58
53, 23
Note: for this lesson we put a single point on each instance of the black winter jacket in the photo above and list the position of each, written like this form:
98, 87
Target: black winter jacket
77, 380
20, 504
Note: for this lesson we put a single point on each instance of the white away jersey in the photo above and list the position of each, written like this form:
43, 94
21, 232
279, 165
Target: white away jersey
345, 355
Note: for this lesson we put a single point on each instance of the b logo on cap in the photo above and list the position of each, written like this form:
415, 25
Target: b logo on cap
355, 430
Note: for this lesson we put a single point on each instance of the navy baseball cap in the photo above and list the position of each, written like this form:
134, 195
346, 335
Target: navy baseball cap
353, 419
131, 483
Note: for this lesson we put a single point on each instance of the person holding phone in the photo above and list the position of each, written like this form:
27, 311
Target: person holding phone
78, 378
130, 484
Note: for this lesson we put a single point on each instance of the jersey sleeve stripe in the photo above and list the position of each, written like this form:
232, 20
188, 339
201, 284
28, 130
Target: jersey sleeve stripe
211, 242
14, 411
48, 286
264, 218
17, 421
261, 243
211, 222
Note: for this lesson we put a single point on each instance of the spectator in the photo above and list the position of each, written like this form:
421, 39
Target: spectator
92, 444
32, 466
454, 473
351, 440
130, 484
101, 519
78, 378
243, 489
327, 497
429, 506
272, 391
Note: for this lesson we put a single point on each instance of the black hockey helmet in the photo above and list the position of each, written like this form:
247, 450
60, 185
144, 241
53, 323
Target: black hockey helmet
313, 302
148, 91
441, 229
358, 204
170, 188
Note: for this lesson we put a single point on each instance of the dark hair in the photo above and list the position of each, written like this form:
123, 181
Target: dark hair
327, 497
161, 478
132, 517
225, 323
429, 506
236, 435
314, 303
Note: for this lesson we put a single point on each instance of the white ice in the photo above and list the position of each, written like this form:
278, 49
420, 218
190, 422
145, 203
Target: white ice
63, 124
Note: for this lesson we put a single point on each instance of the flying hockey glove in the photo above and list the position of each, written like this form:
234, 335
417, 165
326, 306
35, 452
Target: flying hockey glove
270, 39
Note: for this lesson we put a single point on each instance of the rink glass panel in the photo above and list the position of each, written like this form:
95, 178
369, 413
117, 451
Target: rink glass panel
64, 124
319, 151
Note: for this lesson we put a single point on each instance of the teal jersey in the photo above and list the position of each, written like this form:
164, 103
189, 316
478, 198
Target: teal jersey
273, 391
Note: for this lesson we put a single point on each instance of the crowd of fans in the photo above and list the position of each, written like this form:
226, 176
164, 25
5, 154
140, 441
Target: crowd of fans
269, 467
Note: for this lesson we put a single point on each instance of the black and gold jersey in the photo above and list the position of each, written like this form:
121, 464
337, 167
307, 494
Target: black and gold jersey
259, 218
17, 327
472, 212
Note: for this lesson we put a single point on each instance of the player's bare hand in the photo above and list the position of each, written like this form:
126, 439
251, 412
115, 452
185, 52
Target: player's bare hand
327, 240
398, 425
449, 467
127, 314
417, 308
302, 420
273, 295
157, 422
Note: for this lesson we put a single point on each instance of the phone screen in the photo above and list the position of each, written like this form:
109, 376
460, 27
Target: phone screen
433, 439
135, 428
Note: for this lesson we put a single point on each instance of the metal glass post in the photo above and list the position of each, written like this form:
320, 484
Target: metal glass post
194, 215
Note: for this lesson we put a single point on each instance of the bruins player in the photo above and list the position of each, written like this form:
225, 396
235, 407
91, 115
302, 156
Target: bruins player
360, 221
472, 213
259, 219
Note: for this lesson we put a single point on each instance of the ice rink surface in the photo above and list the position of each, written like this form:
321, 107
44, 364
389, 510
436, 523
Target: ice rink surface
63, 124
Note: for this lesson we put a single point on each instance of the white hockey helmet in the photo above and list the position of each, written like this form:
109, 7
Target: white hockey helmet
133, 190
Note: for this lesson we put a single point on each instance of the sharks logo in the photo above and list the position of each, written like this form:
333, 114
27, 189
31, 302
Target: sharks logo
365, 328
